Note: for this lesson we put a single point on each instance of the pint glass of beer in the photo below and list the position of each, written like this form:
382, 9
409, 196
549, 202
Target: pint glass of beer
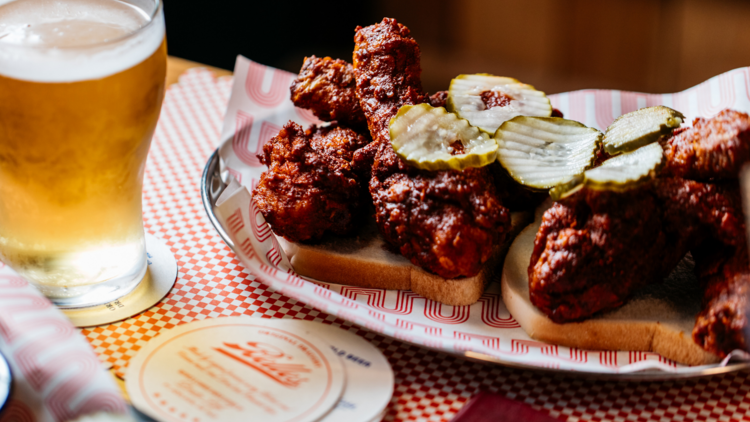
81, 87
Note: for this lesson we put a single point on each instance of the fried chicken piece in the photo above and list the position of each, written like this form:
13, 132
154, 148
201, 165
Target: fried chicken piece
722, 325
722, 264
310, 186
716, 208
446, 222
388, 73
364, 158
327, 87
439, 99
713, 148
596, 248
593, 250
724, 270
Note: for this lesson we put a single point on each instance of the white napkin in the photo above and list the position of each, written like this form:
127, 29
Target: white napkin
56, 375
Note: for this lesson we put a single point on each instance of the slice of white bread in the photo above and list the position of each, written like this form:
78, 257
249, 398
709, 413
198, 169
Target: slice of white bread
658, 319
363, 260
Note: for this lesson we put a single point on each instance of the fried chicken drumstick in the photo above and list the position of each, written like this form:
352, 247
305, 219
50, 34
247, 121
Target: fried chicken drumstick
447, 222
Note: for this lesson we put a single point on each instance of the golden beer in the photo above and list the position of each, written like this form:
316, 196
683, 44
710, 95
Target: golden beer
79, 102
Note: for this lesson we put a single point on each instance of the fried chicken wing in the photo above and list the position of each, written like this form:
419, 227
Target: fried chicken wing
327, 87
310, 186
713, 148
446, 222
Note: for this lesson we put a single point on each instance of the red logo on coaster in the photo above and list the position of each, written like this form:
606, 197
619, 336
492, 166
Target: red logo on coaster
268, 360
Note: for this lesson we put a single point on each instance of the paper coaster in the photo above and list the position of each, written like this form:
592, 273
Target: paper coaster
160, 277
236, 369
380, 416
369, 377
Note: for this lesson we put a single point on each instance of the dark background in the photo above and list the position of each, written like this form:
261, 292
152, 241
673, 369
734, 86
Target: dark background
272, 32
555, 45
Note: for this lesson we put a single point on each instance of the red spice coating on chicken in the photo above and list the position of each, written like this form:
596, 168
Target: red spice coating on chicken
327, 87
713, 148
310, 186
593, 251
447, 222
722, 325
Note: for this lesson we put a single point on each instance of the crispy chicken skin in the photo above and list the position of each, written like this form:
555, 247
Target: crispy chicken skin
713, 211
327, 87
715, 208
439, 99
593, 250
721, 266
722, 324
713, 148
388, 72
446, 222
596, 248
310, 186
716, 149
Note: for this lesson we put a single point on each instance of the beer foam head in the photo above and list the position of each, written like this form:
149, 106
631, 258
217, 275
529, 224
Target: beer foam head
74, 40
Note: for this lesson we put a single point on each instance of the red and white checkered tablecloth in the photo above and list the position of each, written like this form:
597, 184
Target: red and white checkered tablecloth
430, 386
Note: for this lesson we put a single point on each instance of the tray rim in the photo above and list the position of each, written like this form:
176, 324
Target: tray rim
212, 186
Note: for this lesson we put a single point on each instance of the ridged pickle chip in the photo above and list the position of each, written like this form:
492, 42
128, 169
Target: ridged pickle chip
542, 152
487, 101
619, 173
430, 138
641, 127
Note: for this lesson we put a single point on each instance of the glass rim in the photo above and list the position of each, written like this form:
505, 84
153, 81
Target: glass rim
151, 18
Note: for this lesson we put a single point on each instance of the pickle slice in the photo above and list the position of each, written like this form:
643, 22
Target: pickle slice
641, 127
487, 101
619, 173
541, 152
430, 138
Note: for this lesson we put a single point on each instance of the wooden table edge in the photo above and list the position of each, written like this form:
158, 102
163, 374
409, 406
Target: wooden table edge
177, 66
